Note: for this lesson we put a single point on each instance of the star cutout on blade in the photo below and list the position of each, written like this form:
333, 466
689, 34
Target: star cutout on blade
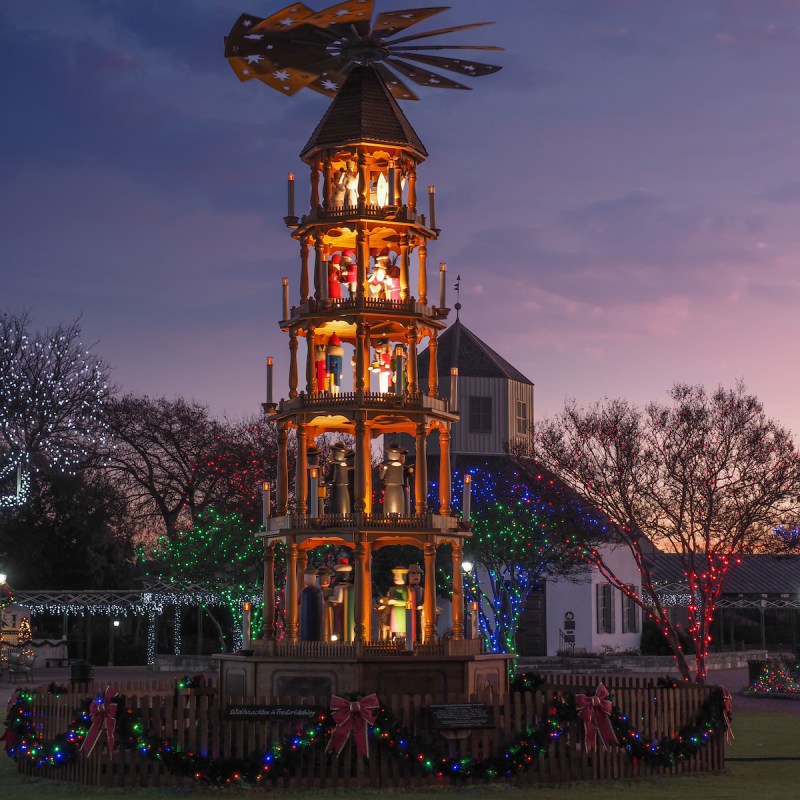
311, 45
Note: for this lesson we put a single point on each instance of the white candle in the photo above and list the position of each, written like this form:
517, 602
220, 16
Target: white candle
313, 500
442, 285
265, 503
453, 390
399, 372
432, 207
392, 179
286, 298
466, 498
291, 194
246, 625
269, 379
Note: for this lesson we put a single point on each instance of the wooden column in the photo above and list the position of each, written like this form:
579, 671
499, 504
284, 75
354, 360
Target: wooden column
421, 472
365, 361
445, 476
268, 631
301, 471
359, 375
366, 596
362, 465
404, 265
361, 589
362, 256
363, 181
293, 363
429, 595
422, 292
311, 371
314, 198
304, 249
412, 188
458, 592
326, 181
411, 367
292, 622
283, 471
433, 366
319, 245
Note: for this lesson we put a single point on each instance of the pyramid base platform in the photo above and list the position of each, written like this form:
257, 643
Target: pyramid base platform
447, 671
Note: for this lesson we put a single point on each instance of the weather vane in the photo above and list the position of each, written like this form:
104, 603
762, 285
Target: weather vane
298, 48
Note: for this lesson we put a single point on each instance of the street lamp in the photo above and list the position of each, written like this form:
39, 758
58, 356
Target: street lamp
468, 568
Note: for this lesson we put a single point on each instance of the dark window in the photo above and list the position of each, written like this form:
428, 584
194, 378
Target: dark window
480, 415
522, 417
605, 608
630, 612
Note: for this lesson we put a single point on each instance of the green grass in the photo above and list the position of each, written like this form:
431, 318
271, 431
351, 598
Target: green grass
759, 734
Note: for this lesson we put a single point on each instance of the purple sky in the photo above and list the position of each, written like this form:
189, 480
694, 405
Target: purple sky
621, 200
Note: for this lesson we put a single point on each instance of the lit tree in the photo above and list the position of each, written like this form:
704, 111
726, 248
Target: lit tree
707, 477
219, 553
52, 392
525, 529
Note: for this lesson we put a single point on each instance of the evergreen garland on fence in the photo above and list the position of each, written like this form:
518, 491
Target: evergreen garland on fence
22, 741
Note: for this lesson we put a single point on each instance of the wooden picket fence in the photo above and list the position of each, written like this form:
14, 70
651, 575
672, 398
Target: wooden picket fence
195, 721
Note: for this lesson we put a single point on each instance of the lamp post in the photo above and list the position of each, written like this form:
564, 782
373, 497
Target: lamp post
472, 598
111, 637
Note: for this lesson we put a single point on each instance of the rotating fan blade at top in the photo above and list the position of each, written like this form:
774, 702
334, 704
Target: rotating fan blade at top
298, 47
474, 68
398, 89
428, 34
424, 77
391, 22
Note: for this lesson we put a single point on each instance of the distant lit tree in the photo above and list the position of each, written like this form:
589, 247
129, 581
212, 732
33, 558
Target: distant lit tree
525, 529
707, 477
52, 393
219, 553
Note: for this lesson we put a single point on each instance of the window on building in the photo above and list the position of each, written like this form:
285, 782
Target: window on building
522, 417
605, 608
630, 611
480, 414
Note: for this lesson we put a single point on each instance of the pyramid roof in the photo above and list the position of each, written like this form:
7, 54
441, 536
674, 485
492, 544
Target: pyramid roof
364, 110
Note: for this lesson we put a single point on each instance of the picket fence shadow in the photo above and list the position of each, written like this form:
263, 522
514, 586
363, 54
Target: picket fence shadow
195, 720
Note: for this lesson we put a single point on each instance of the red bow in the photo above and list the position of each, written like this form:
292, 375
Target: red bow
355, 715
596, 715
103, 712
10, 735
727, 713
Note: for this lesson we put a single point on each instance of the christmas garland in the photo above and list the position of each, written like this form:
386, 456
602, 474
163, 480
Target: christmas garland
22, 741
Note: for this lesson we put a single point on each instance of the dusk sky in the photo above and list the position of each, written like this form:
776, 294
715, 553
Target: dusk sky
621, 200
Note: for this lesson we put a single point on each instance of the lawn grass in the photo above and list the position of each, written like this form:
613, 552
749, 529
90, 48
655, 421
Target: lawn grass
759, 735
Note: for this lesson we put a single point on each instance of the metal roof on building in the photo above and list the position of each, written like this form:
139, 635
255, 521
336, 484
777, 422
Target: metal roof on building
460, 347
756, 574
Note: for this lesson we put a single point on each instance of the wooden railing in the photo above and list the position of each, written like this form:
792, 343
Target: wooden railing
348, 650
195, 721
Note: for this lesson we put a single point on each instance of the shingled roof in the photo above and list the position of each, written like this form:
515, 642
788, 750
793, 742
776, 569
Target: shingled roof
364, 111
460, 347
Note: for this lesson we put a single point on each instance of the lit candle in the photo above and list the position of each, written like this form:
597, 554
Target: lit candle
286, 298
269, 379
432, 207
291, 194
246, 625
473, 621
265, 503
313, 499
466, 501
442, 285
453, 390
411, 625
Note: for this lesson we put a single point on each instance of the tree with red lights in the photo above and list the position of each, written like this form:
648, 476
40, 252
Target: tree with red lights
707, 477
173, 460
